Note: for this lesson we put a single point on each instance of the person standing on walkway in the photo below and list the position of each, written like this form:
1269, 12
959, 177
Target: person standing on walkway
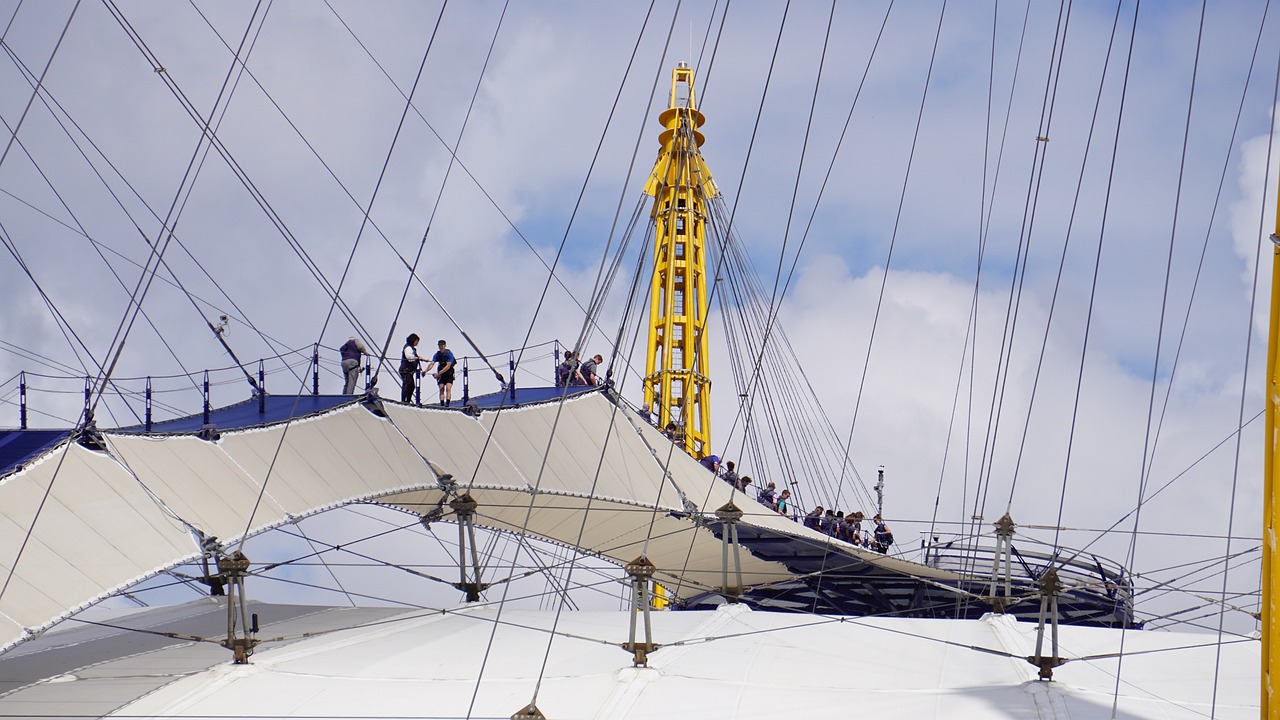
351, 351
443, 361
409, 363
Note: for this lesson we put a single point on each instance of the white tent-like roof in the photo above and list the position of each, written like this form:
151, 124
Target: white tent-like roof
586, 473
481, 662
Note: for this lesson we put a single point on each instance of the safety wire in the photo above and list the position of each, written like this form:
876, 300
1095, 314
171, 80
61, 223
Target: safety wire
336, 295
987, 205
1013, 303
555, 422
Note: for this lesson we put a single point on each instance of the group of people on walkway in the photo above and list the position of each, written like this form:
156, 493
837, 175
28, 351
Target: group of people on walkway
849, 528
411, 368
830, 522
572, 372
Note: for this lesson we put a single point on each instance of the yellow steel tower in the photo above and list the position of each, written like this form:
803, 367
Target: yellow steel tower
677, 382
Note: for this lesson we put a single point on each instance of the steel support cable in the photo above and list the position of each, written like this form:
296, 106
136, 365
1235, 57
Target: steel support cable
984, 232
995, 410
731, 258
336, 298
775, 300
13, 136
364, 222
64, 326
99, 245
170, 220
827, 177
1058, 278
195, 176
700, 325
1226, 162
476, 181
1102, 533
599, 293
614, 414
79, 227
537, 311
1244, 387
1079, 382
1017, 279
711, 64
33, 356
857, 403
984, 236
259, 198
413, 269
346, 547
1215, 567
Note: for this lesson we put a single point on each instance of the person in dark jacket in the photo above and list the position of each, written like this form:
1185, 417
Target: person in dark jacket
409, 363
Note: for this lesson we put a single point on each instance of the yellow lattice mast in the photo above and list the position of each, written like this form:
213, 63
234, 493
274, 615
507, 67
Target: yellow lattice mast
1271, 496
677, 382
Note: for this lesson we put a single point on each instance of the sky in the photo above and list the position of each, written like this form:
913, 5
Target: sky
1112, 192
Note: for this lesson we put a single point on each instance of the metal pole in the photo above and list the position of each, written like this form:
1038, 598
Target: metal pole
262, 389
466, 384
315, 372
880, 492
22, 399
511, 366
206, 397
149, 406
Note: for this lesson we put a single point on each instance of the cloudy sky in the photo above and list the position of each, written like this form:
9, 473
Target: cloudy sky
894, 145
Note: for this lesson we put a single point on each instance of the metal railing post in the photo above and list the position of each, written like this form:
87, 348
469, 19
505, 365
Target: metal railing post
206, 397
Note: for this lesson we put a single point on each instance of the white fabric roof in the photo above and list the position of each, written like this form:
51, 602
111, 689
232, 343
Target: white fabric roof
81, 524
726, 663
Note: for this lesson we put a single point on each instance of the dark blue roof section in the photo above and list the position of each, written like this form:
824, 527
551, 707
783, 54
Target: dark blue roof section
276, 408
525, 396
18, 447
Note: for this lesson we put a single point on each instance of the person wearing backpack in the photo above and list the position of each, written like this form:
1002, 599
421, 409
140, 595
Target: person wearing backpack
351, 351
883, 537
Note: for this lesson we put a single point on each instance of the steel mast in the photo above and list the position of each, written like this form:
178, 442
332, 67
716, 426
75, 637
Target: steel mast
677, 384
1270, 501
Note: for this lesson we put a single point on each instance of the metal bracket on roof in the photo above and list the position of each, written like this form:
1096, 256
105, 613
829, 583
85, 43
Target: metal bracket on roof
241, 633
641, 573
1050, 588
209, 432
212, 548
529, 712
1000, 592
89, 437
373, 403
465, 508
729, 515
